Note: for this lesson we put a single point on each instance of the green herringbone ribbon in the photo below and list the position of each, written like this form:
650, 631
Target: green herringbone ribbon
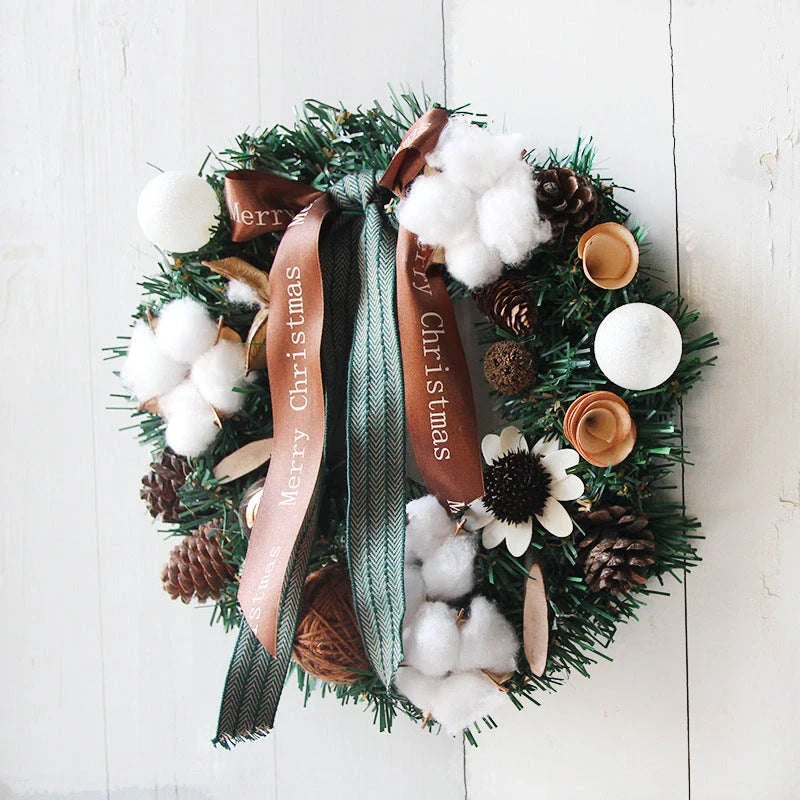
375, 436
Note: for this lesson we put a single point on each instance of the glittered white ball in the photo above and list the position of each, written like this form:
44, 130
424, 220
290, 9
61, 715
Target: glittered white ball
177, 211
638, 346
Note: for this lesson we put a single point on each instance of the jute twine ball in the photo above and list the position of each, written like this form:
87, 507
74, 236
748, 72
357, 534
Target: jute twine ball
509, 367
328, 643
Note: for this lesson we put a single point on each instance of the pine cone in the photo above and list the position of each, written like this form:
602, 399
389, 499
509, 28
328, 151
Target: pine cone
160, 486
197, 567
617, 551
568, 200
509, 304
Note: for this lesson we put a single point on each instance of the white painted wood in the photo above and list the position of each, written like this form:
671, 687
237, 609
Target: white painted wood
562, 70
109, 689
738, 173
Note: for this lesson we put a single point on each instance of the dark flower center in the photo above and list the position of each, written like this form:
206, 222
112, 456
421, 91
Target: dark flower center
516, 486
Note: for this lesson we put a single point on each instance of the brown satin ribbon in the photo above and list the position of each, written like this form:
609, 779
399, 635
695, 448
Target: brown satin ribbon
294, 337
440, 407
438, 393
260, 202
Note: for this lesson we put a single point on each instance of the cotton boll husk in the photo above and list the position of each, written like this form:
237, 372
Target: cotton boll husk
431, 642
449, 572
240, 293
488, 640
418, 688
184, 329
428, 526
414, 591
217, 372
437, 210
472, 262
147, 371
191, 423
473, 156
508, 216
463, 698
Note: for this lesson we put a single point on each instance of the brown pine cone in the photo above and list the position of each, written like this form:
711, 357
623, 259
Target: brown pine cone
509, 304
161, 485
567, 200
197, 566
618, 548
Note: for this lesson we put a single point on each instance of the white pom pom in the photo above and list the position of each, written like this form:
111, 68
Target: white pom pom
418, 688
463, 698
240, 293
487, 639
449, 572
184, 329
470, 261
437, 210
431, 642
191, 423
147, 371
414, 591
474, 157
177, 211
508, 216
428, 526
217, 372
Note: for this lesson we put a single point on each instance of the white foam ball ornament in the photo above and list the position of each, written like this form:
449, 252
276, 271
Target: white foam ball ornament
638, 346
177, 211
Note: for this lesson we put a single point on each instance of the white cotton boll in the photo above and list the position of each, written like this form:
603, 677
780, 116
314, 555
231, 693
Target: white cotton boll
464, 698
449, 572
217, 372
240, 293
431, 641
473, 156
418, 688
508, 216
147, 371
488, 640
185, 330
191, 423
437, 210
472, 262
414, 591
428, 526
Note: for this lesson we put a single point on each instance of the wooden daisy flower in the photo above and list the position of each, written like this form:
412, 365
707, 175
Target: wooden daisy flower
522, 484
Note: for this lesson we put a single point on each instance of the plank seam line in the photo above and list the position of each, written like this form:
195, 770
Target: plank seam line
92, 434
680, 413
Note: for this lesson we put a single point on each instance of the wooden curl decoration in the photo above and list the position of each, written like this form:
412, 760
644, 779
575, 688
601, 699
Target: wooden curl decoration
328, 642
599, 426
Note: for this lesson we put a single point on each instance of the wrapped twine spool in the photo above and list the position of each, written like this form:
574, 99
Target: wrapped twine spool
328, 644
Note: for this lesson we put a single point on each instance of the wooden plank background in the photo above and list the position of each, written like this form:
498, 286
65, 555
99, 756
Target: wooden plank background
109, 690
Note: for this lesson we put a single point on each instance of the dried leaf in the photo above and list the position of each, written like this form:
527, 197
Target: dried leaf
238, 269
255, 354
243, 460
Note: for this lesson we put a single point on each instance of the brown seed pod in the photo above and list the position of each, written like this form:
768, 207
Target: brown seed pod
509, 367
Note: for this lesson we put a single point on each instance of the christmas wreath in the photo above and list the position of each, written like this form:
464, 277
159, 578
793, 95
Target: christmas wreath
301, 325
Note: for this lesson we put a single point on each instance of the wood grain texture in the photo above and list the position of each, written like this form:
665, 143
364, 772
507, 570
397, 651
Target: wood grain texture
737, 133
538, 74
